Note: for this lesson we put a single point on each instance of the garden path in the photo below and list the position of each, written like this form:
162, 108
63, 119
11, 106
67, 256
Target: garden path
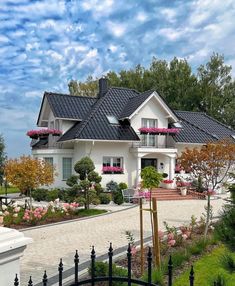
50, 243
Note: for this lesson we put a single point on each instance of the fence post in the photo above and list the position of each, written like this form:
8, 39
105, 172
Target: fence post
191, 277
30, 281
110, 254
149, 266
60, 269
129, 264
44, 279
92, 266
16, 283
170, 266
76, 261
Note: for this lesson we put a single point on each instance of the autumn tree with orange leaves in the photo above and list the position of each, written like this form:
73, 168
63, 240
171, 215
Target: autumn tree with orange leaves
28, 173
212, 163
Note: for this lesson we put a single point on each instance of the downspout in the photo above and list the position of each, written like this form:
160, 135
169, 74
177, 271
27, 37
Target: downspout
92, 146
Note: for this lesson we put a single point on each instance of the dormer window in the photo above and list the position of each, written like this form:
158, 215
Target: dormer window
112, 119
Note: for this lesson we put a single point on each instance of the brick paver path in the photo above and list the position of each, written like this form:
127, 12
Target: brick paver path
53, 242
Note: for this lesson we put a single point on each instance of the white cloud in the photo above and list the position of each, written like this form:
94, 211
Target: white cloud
113, 48
117, 29
141, 16
33, 94
4, 39
169, 14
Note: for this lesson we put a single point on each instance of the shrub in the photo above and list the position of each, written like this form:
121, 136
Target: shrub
122, 186
228, 262
164, 175
112, 186
84, 167
40, 194
118, 197
219, 281
179, 257
104, 198
52, 195
102, 269
198, 247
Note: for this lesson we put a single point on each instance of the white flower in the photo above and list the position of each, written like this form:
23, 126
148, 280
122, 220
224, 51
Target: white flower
4, 207
1, 213
57, 200
15, 215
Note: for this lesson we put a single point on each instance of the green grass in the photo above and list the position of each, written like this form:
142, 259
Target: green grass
90, 212
10, 190
207, 270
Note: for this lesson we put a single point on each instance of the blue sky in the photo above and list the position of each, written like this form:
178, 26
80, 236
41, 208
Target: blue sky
44, 44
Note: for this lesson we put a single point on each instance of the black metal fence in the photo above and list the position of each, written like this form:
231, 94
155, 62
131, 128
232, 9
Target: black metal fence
110, 278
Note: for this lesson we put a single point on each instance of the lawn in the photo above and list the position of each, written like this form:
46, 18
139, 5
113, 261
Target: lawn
207, 270
10, 190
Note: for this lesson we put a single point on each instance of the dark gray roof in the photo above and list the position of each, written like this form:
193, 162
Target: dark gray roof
134, 103
96, 125
68, 106
198, 127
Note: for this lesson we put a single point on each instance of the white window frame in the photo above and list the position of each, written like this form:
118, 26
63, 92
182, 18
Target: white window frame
64, 178
111, 164
147, 137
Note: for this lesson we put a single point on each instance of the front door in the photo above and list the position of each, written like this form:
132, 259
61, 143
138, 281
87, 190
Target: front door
145, 162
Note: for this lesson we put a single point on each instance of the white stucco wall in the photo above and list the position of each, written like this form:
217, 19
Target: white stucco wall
97, 150
57, 155
151, 110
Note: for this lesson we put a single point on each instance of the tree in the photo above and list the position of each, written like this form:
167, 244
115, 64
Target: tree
217, 89
212, 163
28, 173
88, 180
87, 88
225, 228
151, 179
2, 158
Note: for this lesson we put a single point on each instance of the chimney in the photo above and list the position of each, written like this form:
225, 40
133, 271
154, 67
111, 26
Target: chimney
103, 86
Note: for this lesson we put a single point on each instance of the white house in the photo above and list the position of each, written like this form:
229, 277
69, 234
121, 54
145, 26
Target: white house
121, 130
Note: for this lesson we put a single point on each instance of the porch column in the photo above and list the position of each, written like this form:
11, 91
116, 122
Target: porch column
171, 167
138, 170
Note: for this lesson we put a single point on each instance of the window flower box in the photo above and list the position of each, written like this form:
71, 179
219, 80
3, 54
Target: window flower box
112, 170
42, 133
160, 131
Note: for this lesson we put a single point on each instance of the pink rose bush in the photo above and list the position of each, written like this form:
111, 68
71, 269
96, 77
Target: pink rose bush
16, 215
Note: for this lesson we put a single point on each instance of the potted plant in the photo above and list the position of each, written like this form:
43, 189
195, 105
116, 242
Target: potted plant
168, 184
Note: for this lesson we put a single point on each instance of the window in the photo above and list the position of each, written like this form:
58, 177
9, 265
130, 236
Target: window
49, 160
67, 168
112, 165
52, 125
112, 119
148, 139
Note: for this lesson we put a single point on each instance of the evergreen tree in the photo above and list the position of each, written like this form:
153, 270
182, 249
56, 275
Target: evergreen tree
225, 228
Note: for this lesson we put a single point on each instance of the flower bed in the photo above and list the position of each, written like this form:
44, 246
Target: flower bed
18, 217
185, 244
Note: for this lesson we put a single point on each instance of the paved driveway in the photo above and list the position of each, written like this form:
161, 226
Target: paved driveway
53, 242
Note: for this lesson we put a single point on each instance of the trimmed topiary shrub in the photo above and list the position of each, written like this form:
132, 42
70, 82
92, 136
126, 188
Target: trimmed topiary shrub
105, 198
40, 195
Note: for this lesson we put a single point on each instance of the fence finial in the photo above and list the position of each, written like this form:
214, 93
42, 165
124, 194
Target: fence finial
170, 267
76, 261
44, 279
16, 283
191, 276
30, 281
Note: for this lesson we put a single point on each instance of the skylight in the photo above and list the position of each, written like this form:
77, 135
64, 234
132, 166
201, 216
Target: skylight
112, 119
177, 125
233, 136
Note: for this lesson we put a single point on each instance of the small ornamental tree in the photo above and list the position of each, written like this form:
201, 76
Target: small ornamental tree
151, 179
88, 180
28, 173
212, 164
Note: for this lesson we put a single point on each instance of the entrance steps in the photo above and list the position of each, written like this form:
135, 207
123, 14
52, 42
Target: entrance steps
162, 194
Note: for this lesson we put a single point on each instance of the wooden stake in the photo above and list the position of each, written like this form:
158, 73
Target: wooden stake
141, 239
155, 233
